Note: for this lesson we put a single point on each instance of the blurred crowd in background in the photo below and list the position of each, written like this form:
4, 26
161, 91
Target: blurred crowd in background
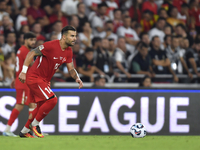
114, 37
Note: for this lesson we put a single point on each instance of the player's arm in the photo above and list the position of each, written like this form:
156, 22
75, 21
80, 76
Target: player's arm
31, 55
74, 74
27, 62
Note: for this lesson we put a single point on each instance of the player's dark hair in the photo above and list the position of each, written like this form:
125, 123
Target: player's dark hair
67, 28
29, 35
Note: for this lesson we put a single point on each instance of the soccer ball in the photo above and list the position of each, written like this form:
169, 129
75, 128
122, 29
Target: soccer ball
138, 130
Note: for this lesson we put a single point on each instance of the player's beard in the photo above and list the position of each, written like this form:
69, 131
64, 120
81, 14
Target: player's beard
30, 46
70, 43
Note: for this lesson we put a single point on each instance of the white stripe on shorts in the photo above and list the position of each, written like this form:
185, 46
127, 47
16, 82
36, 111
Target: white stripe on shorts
23, 97
43, 92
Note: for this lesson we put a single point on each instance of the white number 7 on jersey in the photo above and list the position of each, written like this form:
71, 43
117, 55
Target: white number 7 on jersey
56, 66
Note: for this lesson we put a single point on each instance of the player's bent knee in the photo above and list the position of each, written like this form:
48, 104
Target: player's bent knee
32, 105
54, 100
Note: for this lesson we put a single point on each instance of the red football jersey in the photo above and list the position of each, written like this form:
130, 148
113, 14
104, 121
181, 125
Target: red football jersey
21, 55
46, 65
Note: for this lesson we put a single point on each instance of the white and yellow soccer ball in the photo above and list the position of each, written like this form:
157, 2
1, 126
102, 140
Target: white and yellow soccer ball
138, 130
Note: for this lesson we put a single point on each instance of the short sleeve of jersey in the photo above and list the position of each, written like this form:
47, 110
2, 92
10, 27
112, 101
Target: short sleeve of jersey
45, 48
21, 55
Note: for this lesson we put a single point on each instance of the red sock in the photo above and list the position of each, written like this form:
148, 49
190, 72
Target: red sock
46, 108
13, 116
34, 113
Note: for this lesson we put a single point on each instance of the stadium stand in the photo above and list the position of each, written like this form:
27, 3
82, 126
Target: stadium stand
130, 39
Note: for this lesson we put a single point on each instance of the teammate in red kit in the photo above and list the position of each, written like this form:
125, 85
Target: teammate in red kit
51, 55
22, 90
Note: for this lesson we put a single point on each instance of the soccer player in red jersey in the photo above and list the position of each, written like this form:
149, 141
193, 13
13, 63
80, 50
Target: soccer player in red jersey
22, 90
51, 55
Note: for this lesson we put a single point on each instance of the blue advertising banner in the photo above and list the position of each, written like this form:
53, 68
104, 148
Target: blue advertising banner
113, 111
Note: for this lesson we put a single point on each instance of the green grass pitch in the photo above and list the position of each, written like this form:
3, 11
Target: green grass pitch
69, 142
